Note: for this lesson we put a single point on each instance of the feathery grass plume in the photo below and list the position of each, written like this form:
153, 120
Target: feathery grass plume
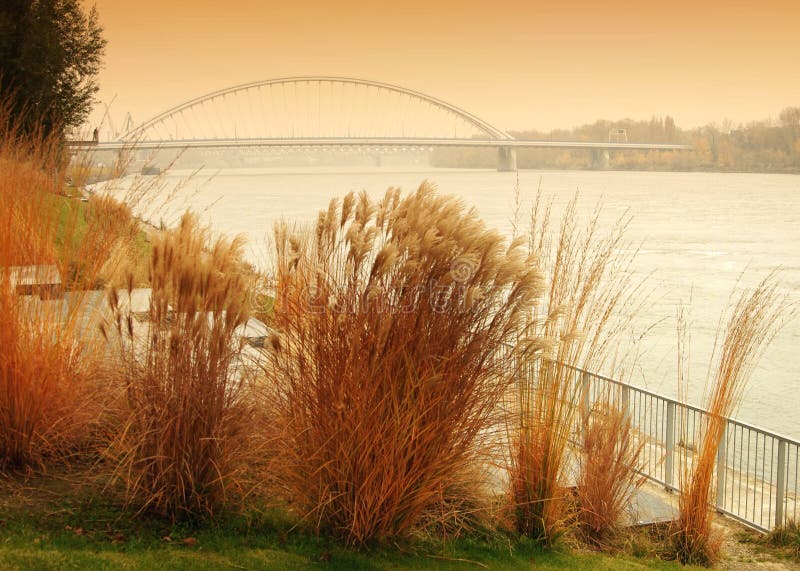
751, 324
610, 472
50, 397
382, 380
186, 436
589, 301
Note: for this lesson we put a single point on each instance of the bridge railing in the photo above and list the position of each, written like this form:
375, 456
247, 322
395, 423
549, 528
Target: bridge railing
757, 471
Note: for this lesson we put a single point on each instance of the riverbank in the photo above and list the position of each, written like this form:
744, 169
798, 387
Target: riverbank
256, 432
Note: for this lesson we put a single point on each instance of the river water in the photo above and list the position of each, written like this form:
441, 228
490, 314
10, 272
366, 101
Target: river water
698, 234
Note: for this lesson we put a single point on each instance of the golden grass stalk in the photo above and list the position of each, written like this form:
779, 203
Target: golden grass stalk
589, 300
610, 472
50, 400
188, 417
753, 322
383, 383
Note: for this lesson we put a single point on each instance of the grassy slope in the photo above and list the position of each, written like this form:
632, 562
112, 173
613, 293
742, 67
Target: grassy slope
67, 208
72, 210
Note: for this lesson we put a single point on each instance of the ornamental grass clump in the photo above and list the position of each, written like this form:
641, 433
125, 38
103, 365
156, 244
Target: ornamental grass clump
590, 298
609, 474
50, 400
754, 321
188, 412
384, 386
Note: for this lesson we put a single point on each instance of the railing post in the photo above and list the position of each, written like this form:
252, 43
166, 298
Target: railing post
669, 461
722, 464
781, 484
626, 401
585, 401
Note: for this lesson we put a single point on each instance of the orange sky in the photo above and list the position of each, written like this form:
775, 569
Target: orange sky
517, 64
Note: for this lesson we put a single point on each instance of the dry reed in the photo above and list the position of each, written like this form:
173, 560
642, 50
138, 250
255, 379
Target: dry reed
384, 386
590, 299
188, 414
49, 396
610, 473
752, 323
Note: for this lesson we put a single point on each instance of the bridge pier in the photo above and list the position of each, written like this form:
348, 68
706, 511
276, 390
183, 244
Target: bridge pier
601, 159
506, 159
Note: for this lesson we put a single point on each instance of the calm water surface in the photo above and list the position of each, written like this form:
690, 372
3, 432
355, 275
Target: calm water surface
698, 233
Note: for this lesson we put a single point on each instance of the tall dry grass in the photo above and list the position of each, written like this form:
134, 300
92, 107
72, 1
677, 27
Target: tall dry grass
49, 397
383, 387
610, 472
751, 324
590, 298
188, 412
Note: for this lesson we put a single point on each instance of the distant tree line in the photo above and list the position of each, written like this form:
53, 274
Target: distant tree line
760, 146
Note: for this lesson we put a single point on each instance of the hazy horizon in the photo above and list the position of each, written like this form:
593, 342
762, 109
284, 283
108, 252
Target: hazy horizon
518, 65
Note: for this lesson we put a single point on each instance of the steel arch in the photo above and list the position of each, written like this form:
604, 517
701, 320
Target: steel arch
468, 117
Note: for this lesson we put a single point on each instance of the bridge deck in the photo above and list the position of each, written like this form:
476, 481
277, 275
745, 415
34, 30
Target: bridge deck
368, 142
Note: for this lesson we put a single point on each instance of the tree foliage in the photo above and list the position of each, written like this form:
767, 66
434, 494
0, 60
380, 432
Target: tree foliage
760, 146
50, 54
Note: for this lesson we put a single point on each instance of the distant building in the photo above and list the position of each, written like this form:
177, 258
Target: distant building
617, 136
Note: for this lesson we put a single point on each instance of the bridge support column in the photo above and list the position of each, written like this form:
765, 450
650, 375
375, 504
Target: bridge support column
506, 159
601, 159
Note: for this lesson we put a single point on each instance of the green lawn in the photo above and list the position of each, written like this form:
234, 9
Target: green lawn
31, 547
71, 211
57, 528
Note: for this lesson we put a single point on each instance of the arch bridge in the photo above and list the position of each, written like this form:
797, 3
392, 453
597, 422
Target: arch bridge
324, 111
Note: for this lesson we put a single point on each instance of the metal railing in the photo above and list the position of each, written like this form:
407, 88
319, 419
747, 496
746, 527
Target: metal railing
757, 470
